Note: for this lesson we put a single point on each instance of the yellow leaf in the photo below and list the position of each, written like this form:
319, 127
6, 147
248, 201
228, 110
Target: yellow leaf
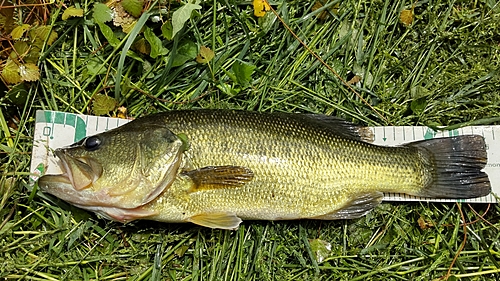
129, 26
142, 46
10, 72
102, 104
18, 32
20, 50
29, 72
325, 14
260, 7
406, 17
205, 55
72, 12
40, 33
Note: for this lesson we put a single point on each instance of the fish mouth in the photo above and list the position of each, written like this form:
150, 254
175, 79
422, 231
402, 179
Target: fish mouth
81, 177
81, 172
61, 187
74, 186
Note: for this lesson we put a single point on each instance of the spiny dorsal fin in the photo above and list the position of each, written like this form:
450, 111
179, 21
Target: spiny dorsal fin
337, 125
213, 177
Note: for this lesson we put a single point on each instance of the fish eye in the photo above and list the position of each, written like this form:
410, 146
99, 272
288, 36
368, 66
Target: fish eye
92, 143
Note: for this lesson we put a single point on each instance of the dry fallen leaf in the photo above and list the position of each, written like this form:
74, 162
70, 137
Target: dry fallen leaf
424, 224
29, 72
354, 80
122, 18
122, 112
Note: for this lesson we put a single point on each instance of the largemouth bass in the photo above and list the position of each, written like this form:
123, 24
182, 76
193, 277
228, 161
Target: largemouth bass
217, 167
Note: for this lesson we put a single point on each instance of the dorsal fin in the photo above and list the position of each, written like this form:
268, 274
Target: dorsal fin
336, 125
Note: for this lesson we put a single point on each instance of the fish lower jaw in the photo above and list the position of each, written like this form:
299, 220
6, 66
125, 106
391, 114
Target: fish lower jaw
120, 214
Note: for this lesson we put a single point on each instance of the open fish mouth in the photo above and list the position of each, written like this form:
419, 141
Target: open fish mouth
98, 202
81, 172
74, 186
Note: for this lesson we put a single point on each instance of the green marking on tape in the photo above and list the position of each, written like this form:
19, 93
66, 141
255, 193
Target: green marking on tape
80, 129
70, 120
429, 134
67, 119
453, 133
58, 118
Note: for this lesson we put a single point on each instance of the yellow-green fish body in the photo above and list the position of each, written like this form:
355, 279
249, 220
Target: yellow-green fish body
232, 165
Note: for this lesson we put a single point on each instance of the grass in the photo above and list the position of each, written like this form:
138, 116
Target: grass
442, 70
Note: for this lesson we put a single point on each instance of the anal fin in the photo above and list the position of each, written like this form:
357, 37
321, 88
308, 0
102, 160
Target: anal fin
217, 220
356, 208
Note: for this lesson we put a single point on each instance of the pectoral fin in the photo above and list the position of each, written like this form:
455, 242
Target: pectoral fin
357, 208
217, 220
214, 177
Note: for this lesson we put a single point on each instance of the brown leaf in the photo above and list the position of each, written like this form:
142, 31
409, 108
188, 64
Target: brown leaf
425, 224
121, 17
354, 80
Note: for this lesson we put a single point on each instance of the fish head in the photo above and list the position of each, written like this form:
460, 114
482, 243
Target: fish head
121, 169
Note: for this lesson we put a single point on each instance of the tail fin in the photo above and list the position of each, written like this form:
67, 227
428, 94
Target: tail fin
456, 165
